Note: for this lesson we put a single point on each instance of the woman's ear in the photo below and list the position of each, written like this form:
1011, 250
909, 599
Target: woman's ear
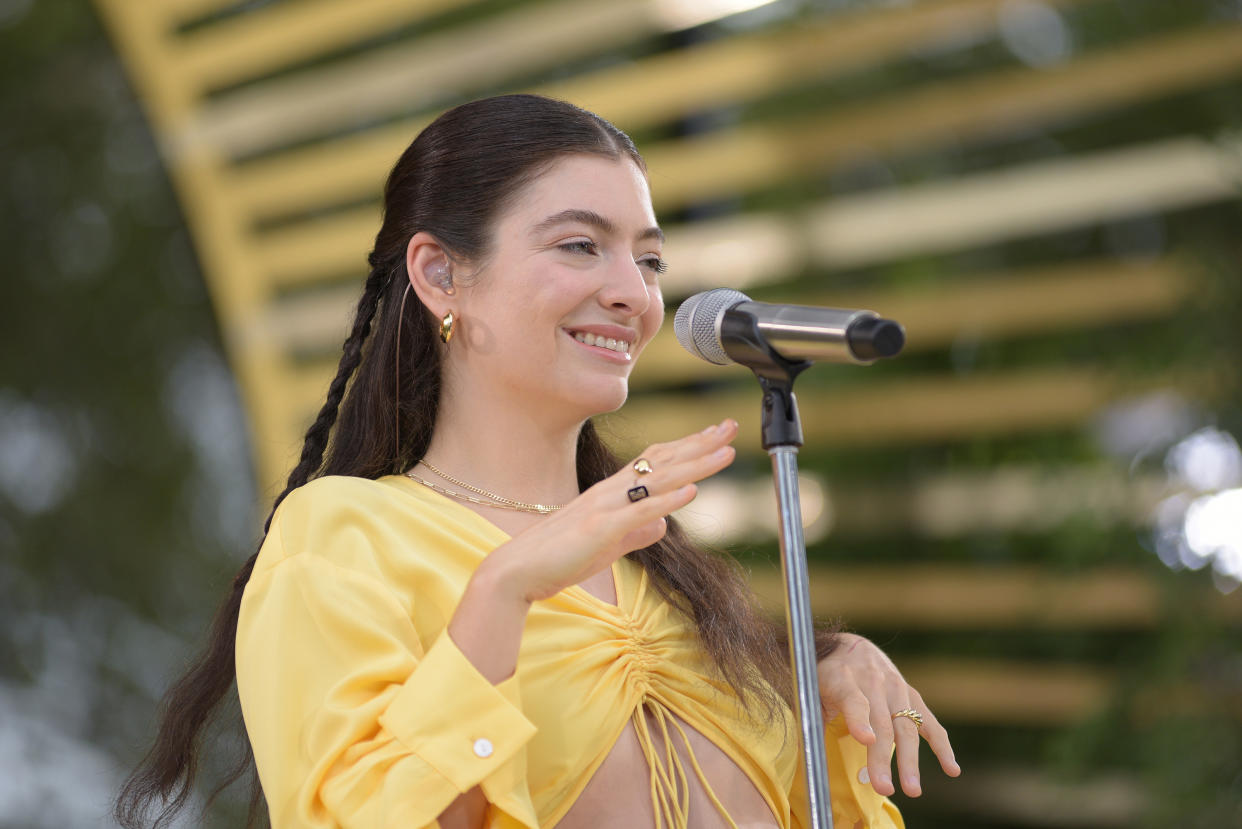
431, 273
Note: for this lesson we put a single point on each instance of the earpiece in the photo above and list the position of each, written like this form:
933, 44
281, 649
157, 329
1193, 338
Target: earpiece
441, 276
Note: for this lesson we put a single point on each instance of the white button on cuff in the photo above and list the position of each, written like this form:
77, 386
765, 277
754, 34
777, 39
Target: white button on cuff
483, 747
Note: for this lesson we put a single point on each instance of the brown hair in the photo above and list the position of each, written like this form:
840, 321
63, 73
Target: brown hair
453, 182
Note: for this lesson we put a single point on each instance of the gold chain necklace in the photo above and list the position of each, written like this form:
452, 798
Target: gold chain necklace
498, 501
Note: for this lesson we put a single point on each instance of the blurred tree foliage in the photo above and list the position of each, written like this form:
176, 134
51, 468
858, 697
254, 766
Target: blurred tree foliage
126, 494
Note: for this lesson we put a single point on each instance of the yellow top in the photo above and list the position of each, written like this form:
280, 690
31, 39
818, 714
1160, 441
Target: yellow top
362, 714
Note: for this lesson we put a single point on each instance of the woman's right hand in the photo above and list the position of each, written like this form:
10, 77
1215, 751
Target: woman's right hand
601, 525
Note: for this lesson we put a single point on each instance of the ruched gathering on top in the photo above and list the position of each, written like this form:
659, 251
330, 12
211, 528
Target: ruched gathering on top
363, 713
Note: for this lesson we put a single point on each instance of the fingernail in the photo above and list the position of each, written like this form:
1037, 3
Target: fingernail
912, 782
886, 780
864, 776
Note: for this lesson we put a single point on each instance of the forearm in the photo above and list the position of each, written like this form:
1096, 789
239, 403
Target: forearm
487, 625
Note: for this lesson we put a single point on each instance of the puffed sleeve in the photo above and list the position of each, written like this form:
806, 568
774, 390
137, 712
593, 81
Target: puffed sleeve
354, 721
855, 805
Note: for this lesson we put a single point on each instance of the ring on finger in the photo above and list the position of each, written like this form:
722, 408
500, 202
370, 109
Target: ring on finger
914, 716
642, 466
637, 493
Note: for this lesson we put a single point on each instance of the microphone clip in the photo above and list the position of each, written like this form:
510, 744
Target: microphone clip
743, 342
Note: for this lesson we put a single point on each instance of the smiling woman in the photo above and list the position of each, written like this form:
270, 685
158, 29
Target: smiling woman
466, 611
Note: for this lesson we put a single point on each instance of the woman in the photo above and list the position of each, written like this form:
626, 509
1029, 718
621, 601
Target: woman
465, 610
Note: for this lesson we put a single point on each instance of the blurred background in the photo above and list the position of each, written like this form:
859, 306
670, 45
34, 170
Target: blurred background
1036, 509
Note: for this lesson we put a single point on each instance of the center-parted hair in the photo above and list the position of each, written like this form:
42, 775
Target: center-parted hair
453, 182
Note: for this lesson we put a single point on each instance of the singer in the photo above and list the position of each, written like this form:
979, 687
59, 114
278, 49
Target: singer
466, 611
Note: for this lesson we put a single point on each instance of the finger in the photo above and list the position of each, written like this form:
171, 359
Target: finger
699, 443
937, 738
690, 470
629, 516
907, 736
857, 713
879, 752
643, 536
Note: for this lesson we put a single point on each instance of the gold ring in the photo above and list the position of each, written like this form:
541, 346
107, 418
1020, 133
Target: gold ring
642, 466
911, 714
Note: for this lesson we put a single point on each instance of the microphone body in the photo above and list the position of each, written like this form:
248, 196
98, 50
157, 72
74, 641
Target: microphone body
796, 332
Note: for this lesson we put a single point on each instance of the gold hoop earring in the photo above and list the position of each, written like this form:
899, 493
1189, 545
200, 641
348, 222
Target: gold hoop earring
446, 327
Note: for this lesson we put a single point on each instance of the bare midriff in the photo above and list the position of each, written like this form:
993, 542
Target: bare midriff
649, 779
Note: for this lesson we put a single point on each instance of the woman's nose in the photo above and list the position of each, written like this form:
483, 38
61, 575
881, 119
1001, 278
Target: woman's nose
626, 289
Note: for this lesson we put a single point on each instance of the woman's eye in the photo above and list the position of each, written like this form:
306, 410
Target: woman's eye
655, 264
579, 246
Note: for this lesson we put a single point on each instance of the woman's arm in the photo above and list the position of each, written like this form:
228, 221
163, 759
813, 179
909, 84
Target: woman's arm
487, 628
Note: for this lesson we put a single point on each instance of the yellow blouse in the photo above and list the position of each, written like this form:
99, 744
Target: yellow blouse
362, 714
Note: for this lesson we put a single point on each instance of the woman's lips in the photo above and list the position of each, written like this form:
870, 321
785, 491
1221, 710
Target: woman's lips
603, 350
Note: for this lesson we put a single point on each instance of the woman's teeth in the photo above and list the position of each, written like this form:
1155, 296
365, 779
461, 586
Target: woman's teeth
602, 342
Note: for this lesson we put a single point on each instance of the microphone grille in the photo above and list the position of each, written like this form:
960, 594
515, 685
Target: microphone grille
697, 323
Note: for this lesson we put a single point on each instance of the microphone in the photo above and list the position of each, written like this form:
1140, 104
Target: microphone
706, 323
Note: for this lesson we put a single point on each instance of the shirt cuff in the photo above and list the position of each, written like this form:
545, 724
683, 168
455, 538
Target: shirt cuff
457, 721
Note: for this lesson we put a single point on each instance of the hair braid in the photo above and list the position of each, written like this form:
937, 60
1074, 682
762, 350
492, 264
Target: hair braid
317, 435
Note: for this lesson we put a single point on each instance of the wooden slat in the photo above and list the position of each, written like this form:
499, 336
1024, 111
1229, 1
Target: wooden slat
398, 79
184, 11
735, 511
636, 95
956, 597
728, 163
272, 37
1039, 797
1006, 692
1037, 198
911, 410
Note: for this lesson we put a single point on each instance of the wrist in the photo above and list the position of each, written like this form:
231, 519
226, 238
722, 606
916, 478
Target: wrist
499, 581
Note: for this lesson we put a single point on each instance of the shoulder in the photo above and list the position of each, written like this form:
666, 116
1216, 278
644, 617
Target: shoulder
370, 525
335, 519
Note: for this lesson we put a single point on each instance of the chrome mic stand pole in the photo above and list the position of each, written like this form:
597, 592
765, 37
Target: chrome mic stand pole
782, 435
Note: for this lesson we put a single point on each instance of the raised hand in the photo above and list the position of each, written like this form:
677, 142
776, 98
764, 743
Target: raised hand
603, 524
859, 681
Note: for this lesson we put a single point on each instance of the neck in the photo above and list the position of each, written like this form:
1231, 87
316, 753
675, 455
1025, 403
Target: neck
485, 440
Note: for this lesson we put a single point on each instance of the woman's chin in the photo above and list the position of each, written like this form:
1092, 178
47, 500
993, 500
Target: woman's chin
597, 399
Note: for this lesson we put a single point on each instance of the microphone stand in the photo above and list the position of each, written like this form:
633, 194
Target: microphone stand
782, 435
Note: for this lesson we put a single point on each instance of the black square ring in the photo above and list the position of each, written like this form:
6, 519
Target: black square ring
638, 493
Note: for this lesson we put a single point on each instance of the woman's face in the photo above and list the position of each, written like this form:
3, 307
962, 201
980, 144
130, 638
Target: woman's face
569, 296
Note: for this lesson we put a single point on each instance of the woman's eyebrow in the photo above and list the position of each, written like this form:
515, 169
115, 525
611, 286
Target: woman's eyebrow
590, 217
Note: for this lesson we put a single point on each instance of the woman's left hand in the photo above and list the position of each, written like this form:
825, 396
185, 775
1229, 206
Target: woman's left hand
860, 682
